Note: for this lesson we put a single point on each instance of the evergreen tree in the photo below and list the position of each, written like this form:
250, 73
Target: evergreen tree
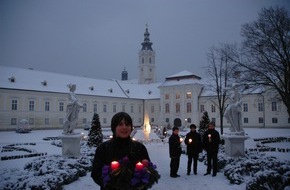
203, 123
95, 133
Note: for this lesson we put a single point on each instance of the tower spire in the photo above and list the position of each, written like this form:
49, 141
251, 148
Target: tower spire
146, 45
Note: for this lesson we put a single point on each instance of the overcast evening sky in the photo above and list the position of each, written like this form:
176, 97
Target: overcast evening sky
98, 38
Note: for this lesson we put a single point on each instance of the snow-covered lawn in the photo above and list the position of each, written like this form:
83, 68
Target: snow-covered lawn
58, 168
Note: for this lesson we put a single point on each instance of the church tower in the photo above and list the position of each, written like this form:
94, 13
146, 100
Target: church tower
146, 61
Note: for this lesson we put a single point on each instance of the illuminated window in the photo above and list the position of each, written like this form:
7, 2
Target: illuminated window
188, 95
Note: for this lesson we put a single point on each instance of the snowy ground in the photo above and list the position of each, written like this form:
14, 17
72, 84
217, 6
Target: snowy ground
158, 152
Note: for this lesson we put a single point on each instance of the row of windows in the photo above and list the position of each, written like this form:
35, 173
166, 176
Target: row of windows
31, 121
14, 106
177, 108
274, 107
177, 96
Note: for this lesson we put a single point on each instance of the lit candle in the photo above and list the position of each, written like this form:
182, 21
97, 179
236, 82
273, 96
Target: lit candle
114, 165
209, 137
181, 139
139, 166
189, 140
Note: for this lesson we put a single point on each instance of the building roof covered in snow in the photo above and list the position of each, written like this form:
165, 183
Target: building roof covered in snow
29, 79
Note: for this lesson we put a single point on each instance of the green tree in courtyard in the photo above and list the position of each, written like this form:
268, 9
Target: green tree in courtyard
95, 133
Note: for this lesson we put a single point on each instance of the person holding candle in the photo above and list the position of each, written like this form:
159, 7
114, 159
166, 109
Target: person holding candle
174, 152
194, 147
119, 147
211, 141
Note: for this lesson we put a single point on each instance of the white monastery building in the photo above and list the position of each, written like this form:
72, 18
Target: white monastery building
41, 98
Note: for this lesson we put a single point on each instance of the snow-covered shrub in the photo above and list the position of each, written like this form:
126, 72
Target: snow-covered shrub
266, 180
263, 171
23, 126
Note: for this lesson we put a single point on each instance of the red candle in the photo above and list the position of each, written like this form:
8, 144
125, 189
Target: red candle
114, 165
145, 162
139, 166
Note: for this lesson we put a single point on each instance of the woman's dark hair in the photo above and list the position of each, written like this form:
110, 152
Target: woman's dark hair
117, 118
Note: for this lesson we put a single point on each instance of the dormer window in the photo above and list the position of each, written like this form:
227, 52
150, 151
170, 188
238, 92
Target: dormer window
44, 83
127, 91
149, 92
12, 79
110, 90
91, 88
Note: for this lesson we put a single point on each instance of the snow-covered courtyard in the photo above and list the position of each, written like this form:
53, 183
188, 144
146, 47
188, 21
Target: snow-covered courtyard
24, 150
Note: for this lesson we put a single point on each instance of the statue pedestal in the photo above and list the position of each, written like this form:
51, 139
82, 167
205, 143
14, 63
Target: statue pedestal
234, 144
71, 145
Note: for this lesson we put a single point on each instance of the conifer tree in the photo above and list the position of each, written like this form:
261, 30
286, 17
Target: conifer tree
203, 123
95, 133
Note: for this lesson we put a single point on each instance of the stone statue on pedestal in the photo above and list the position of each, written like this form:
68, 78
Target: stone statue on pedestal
234, 110
72, 111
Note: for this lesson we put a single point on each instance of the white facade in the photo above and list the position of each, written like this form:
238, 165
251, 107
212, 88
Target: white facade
44, 106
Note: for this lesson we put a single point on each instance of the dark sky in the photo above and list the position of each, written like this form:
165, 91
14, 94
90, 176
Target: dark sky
98, 38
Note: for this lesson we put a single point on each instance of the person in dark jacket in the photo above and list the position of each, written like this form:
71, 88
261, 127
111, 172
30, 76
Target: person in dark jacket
174, 152
120, 146
211, 141
194, 147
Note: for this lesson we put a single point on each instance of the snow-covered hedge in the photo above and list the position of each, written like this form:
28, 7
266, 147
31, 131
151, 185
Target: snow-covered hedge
258, 170
47, 172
